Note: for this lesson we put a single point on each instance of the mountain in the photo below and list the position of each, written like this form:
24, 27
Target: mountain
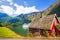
14, 20
54, 8
34, 15
4, 17
19, 20
31, 16
22, 15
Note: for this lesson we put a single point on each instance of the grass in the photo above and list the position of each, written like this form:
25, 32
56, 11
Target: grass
19, 30
7, 33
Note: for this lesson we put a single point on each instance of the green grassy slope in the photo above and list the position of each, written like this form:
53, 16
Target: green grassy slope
20, 30
55, 8
7, 33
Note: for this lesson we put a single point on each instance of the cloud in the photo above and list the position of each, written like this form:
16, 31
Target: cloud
24, 10
8, 10
10, 1
19, 10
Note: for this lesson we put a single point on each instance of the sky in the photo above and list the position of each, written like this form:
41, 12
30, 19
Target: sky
16, 7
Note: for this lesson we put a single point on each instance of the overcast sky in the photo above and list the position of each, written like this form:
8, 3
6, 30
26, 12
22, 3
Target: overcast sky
17, 7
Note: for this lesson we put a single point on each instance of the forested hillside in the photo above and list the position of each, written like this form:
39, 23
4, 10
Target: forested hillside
54, 8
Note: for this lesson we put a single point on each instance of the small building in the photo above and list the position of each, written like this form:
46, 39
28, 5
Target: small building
41, 26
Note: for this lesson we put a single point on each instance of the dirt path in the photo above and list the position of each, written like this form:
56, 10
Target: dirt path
34, 39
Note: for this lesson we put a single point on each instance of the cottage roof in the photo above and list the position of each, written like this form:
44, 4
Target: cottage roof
43, 23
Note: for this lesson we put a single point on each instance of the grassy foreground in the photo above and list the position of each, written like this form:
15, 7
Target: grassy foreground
7, 33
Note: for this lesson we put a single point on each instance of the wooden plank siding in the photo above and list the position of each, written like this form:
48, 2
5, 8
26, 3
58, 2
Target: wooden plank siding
38, 32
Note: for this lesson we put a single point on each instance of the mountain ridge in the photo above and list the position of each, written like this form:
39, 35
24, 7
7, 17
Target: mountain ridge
54, 8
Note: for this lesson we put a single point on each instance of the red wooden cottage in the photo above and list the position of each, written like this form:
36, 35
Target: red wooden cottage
45, 26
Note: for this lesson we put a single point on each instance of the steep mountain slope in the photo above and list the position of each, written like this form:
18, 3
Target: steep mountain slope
31, 16
34, 15
55, 8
